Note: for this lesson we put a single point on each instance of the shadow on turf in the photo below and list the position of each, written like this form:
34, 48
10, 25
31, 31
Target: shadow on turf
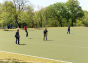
29, 38
22, 44
48, 40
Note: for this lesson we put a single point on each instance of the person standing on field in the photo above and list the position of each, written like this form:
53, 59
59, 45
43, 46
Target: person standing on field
17, 37
25, 28
68, 32
45, 34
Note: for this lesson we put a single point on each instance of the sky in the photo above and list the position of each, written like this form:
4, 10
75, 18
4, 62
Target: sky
38, 4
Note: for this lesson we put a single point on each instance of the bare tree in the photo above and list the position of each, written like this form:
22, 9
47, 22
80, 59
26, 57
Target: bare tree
20, 4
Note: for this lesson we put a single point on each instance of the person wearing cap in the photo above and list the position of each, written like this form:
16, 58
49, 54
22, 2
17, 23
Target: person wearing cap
17, 36
45, 34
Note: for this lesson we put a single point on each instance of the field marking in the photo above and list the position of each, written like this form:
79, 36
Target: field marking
34, 56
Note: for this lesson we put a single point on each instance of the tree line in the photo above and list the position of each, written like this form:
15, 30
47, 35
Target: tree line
19, 13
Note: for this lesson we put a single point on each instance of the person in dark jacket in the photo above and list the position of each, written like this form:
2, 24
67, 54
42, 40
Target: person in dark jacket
68, 30
17, 37
45, 34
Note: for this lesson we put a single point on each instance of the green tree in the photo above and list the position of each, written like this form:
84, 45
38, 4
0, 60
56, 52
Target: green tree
58, 11
7, 13
75, 10
20, 6
26, 17
85, 18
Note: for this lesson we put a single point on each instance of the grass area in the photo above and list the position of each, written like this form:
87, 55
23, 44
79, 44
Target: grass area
60, 46
18, 58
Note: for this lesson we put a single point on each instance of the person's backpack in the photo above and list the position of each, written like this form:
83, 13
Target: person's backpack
15, 35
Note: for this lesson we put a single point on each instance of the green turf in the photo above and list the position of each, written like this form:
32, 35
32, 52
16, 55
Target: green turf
60, 46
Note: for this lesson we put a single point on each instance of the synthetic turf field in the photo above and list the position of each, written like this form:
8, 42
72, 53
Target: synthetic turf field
60, 46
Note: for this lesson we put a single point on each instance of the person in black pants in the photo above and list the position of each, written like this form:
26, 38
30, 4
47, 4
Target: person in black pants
17, 36
25, 28
68, 30
26, 33
45, 34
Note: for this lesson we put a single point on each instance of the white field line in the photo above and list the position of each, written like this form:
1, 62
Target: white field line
34, 56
